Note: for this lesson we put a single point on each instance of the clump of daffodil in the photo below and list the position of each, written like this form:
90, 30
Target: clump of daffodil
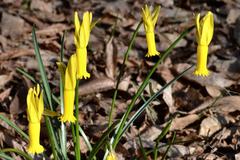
204, 34
149, 20
111, 156
69, 90
81, 38
35, 109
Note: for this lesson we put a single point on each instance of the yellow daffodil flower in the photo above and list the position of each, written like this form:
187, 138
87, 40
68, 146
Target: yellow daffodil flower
69, 90
204, 34
35, 109
111, 156
149, 20
81, 38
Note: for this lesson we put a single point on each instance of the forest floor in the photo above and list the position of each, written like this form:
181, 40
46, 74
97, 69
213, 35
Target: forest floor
206, 110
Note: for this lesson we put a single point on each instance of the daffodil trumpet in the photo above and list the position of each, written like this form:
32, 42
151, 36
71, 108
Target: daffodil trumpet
150, 20
69, 90
202, 54
82, 67
35, 109
204, 34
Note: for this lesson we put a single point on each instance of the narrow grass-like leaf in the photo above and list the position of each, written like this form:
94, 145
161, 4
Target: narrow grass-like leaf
142, 148
42, 69
85, 138
63, 129
19, 152
53, 141
62, 46
122, 71
18, 130
119, 132
172, 141
146, 104
102, 141
5, 156
160, 137
52, 135
22, 71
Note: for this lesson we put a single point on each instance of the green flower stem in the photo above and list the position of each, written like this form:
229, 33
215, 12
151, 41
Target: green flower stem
77, 144
122, 71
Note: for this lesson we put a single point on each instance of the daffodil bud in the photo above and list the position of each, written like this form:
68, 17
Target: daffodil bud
69, 90
149, 20
81, 38
204, 34
111, 156
35, 109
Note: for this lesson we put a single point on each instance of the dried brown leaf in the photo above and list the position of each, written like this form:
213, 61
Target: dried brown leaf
209, 126
52, 30
110, 64
182, 122
213, 91
9, 23
14, 107
96, 85
15, 53
227, 104
214, 79
40, 5
4, 94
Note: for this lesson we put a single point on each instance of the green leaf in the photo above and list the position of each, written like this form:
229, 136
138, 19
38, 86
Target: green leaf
122, 71
119, 132
61, 68
142, 148
18, 130
146, 104
5, 156
85, 138
19, 152
42, 69
51, 133
22, 71
173, 139
160, 137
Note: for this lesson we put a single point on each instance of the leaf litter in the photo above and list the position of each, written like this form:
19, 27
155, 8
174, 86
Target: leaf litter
206, 110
